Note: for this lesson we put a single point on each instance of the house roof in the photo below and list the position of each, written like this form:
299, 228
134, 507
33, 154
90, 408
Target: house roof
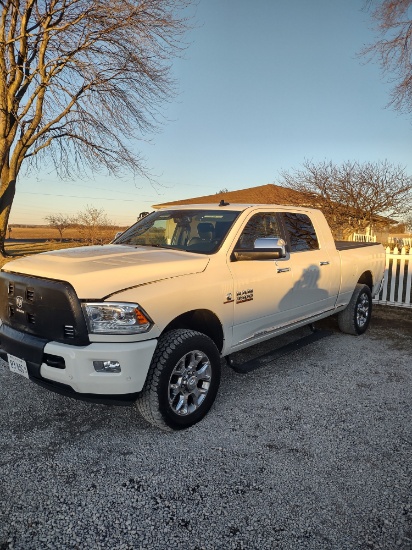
262, 194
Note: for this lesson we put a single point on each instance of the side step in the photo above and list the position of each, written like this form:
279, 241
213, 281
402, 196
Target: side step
266, 358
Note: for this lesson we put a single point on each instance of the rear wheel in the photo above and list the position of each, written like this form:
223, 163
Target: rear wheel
355, 318
182, 381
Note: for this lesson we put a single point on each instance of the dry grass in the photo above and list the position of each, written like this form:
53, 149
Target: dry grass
46, 232
39, 232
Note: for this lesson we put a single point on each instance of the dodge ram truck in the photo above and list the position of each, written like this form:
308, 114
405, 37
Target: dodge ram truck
148, 318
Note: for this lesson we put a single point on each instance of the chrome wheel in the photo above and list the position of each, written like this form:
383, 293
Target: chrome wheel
189, 383
182, 381
355, 318
362, 310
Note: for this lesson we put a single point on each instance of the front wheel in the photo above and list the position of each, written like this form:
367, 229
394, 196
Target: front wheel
355, 318
182, 381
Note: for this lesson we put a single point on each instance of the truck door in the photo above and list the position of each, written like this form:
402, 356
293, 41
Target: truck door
315, 280
262, 297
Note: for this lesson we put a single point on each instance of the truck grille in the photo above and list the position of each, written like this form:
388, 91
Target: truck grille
42, 307
30, 295
31, 318
69, 331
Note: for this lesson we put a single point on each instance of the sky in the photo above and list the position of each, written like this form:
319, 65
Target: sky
262, 86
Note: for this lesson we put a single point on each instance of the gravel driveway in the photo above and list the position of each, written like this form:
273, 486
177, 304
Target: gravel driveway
313, 451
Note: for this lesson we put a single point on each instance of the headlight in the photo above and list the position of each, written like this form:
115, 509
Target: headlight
116, 318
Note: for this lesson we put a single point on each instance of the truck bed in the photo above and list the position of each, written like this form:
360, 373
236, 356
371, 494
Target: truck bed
347, 245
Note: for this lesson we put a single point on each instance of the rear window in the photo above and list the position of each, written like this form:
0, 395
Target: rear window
302, 234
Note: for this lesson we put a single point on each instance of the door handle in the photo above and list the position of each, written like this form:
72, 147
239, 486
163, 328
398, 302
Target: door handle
283, 270
324, 263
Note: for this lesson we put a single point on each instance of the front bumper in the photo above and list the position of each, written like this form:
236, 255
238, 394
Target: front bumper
78, 375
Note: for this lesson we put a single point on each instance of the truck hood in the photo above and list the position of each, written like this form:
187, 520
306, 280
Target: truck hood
98, 271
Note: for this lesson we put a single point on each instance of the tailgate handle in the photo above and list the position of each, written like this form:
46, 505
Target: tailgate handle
283, 270
323, 263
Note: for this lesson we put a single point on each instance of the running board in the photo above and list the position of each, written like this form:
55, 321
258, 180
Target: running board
266, 358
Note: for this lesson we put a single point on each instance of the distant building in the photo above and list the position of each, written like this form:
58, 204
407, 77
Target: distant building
262, 194
275, 194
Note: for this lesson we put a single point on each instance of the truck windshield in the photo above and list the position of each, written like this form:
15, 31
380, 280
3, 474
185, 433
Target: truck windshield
200, 231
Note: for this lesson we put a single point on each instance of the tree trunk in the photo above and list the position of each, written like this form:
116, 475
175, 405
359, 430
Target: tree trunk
7, 191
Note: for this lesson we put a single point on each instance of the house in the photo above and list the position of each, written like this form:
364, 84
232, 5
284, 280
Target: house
276, 194
262, 194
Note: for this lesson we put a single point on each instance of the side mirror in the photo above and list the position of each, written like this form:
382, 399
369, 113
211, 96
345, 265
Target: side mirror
265, 248
117, 235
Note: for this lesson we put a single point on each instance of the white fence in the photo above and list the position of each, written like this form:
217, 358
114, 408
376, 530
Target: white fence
400, 241
358, 237
397, 285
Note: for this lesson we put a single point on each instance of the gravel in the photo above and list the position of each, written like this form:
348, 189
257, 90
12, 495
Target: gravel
312, 451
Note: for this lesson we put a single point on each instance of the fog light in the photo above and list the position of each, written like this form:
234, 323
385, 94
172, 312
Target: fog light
107, 366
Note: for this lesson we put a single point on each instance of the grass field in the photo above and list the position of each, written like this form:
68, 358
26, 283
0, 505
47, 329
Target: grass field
46, 232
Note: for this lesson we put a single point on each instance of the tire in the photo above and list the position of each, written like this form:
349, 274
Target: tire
182, 381
355, 318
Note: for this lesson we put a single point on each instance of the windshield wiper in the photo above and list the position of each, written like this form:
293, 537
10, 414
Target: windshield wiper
151, 245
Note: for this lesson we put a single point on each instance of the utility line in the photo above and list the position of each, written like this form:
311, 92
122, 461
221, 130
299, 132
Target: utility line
48, 183
79, 197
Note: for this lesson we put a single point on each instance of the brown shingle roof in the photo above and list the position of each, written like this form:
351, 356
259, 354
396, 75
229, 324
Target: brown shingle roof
263, 194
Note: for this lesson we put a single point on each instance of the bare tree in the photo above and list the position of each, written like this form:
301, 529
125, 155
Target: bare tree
408, 223
393, 47
61, 222
353, 195
78, 80
93, 225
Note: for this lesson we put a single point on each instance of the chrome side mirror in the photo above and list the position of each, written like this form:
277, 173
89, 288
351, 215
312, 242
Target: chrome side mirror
271, 244
265, 248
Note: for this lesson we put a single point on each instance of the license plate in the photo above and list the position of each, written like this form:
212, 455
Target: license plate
17, 365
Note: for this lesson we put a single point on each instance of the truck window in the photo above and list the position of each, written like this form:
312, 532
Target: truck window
302, 234
264, 224
200, 231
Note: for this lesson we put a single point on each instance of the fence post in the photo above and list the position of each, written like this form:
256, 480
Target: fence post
397, 285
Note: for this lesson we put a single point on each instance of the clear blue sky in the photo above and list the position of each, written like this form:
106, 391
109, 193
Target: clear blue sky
263, 86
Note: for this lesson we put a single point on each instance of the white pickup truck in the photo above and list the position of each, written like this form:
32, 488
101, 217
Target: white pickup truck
149, 317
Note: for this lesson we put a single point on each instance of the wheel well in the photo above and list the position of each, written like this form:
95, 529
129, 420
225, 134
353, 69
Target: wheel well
366, 279
201, 320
